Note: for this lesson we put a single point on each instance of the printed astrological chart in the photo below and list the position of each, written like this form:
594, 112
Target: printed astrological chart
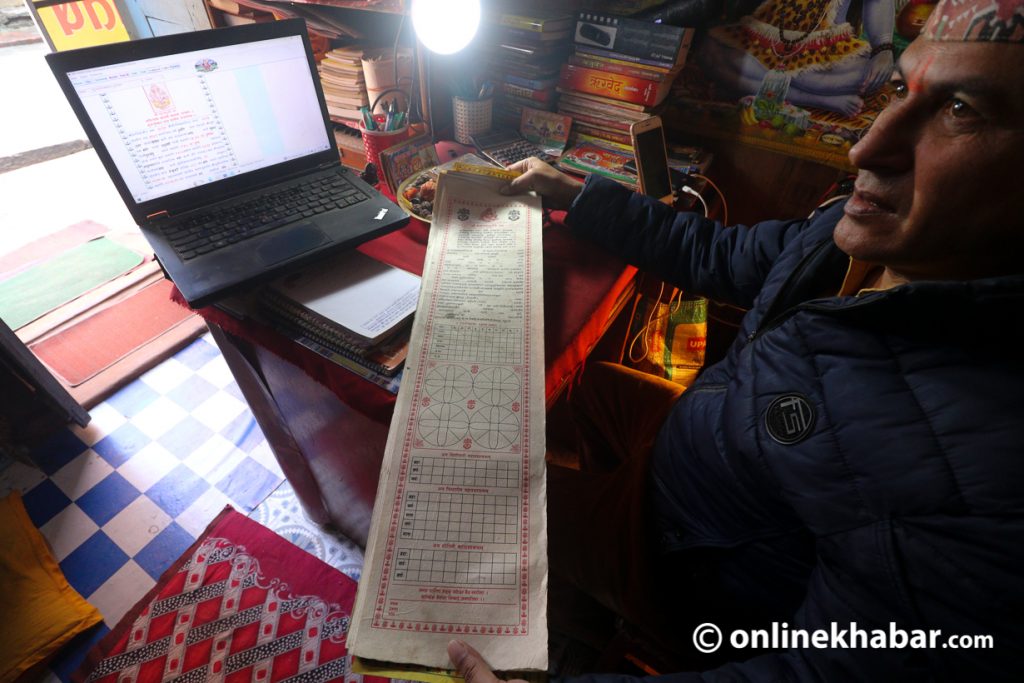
478, 407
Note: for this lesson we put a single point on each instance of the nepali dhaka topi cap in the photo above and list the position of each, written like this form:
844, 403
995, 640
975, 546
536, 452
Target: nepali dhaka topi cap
996, 21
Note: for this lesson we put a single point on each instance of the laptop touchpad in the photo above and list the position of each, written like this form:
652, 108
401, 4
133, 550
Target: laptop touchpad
294, 240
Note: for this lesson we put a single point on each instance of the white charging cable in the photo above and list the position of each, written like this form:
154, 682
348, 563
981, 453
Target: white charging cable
689, 190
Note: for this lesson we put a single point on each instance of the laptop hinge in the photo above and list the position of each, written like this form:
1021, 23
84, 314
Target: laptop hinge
158, 214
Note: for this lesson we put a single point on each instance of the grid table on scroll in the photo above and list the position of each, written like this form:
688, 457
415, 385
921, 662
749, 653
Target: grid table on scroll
458, 539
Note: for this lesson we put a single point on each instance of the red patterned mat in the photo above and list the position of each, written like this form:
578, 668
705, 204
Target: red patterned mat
242, 604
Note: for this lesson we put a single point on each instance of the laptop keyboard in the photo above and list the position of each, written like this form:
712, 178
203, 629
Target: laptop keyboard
201, 234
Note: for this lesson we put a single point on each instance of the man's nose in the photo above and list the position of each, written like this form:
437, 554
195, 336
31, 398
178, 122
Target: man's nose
888, 146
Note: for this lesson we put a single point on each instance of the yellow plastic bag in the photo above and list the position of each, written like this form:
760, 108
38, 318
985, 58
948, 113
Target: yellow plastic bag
668, 335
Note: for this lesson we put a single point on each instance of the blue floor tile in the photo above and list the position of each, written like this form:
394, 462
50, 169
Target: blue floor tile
235, 391
57, 451
93, 564
244, 432
164, 549
177, 490
73, 654
104, 500
248, 484
197, 354
133, 398
192, 392
90, 565
44, 502
121, 444
185, 437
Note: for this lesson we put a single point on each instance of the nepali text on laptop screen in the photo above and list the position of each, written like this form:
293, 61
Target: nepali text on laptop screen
179, 121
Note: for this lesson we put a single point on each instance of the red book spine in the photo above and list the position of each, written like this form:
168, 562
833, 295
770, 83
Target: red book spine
600, 132
609, 84
528, 93
609, 65
594, 120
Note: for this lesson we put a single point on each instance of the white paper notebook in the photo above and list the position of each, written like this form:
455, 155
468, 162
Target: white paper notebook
362, 295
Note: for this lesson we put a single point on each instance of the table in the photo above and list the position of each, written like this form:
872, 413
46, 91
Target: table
327, 427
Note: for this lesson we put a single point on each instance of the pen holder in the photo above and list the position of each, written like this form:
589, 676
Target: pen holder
471, 117
376, 140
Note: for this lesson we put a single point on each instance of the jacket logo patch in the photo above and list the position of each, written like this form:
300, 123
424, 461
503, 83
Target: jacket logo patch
789, 419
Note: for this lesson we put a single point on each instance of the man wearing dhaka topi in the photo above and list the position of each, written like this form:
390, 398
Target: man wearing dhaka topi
841, 498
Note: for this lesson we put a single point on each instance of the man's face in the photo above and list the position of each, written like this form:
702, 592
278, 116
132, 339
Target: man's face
940, 193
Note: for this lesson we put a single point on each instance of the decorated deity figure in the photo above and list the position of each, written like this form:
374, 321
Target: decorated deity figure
811, 43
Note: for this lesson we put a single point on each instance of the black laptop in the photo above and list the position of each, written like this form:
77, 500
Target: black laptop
220, 145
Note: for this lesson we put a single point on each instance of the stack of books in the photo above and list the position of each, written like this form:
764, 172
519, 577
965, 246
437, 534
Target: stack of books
341, 74
601, 119
353, 310
601, 158
529, 49
621, 70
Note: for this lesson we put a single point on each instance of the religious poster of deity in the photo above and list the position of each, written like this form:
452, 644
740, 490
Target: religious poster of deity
801, 77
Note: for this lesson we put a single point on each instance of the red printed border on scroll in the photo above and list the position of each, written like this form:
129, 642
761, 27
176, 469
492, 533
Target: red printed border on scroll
379, 620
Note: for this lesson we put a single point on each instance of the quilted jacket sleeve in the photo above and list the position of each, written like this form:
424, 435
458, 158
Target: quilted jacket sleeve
857, 590
728, 264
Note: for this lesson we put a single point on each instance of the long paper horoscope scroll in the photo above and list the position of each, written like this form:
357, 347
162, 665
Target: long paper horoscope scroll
458, 544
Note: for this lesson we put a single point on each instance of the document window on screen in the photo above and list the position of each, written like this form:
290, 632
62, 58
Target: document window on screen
176, 122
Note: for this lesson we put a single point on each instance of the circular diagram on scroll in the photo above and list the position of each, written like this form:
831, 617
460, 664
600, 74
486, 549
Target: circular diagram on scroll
448, 383
496, 386
494, 427
442, 424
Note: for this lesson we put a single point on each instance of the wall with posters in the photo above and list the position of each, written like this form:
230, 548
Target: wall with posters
801, 77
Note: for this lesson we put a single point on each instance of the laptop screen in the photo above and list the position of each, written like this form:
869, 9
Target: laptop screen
175, 122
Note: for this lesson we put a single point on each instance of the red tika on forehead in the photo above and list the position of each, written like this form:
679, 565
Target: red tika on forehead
997, 21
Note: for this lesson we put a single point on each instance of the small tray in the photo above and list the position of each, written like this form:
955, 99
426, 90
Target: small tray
416, 210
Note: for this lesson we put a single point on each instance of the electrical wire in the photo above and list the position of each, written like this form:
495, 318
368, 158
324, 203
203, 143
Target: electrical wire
675, 300
412, 103
394, 51
721, 195
689, 190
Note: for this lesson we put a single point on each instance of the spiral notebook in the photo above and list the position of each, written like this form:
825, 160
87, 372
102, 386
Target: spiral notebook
355, 305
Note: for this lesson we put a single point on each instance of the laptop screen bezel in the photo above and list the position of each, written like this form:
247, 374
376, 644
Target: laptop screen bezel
62, 63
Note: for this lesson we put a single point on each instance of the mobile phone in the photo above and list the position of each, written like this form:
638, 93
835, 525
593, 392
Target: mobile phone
648, 139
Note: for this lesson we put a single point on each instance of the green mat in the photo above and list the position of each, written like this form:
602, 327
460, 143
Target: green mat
42, 288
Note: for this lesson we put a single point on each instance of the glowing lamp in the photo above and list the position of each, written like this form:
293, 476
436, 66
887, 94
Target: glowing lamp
445, 26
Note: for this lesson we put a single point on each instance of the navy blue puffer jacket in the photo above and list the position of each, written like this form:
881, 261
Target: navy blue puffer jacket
899, 464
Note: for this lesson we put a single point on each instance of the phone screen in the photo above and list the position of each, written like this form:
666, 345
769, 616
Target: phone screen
653, 166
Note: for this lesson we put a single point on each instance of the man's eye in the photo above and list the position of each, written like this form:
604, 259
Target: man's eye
959, 109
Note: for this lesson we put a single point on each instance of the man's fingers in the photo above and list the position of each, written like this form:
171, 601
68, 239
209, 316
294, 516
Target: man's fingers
523, 183
521, 166
469, 663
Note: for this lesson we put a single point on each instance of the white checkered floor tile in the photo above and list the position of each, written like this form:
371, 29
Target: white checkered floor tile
121, 499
